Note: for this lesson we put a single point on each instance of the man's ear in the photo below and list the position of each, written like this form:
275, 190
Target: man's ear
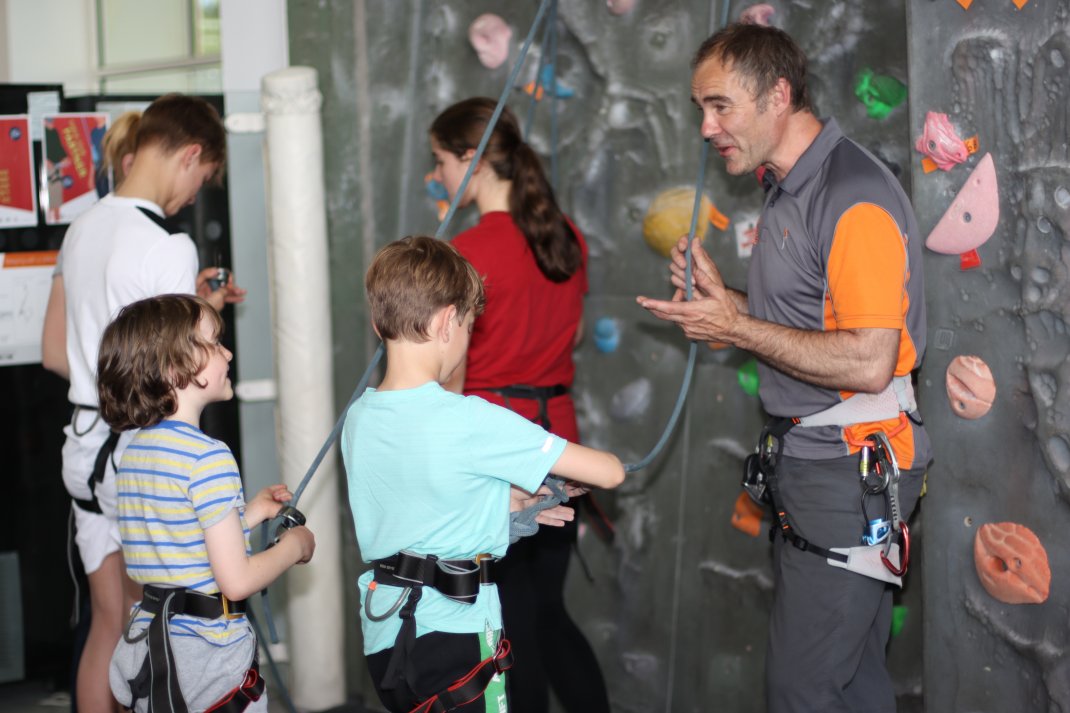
780, 95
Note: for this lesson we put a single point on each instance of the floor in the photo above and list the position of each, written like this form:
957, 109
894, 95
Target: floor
37, 697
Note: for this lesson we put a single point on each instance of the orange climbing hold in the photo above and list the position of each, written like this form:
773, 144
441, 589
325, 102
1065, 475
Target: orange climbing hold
1011, 563
747, 515
1019, 3
965, 4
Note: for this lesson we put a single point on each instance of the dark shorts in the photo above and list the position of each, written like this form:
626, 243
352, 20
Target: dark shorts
829, 627
439, 659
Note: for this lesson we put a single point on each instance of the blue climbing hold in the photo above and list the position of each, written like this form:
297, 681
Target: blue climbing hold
606, 335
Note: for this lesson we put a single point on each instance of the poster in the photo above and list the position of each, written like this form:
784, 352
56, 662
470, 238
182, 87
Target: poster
25, 282
18, 200
70, 174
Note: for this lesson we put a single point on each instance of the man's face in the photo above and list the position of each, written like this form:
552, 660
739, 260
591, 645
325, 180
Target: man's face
740, 126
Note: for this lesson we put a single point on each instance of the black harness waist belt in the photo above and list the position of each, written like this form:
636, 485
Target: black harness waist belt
542, 394
190, 602
456, 579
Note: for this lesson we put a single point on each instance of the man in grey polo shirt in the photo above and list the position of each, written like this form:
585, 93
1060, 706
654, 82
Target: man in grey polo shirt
835, 314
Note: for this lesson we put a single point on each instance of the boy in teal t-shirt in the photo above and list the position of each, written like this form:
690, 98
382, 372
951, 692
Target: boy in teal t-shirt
430, 475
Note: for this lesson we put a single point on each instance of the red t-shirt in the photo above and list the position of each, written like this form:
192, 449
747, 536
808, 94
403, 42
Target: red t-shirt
528, 329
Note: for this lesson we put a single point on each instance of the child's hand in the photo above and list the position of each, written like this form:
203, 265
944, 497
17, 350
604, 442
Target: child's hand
266, 504
305, 540
556, 516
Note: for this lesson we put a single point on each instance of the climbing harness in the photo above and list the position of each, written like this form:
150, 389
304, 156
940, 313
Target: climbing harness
459, 580
157, 679
878, 556
539, 394
100, 465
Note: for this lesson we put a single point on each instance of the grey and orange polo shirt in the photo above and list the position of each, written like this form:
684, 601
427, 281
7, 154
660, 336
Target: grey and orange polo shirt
839, 248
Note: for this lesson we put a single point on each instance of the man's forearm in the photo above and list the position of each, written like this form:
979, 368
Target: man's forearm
846, 359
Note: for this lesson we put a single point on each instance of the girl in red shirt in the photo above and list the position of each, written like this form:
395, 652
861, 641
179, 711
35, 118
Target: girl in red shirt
533, 262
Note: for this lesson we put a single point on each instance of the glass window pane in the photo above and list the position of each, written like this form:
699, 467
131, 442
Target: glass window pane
205, 27
135, 31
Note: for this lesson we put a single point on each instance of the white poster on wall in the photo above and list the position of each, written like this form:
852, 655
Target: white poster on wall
25, 281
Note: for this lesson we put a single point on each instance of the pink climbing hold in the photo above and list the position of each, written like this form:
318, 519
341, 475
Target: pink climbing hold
970, 387
490, 35
757, 15
972, 217
940, 143
620, 7
1011, 563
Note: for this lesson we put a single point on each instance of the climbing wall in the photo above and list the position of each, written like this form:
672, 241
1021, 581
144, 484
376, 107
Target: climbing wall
999, 495
677, 600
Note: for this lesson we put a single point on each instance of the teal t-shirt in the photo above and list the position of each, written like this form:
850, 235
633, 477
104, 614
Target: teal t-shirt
429, 473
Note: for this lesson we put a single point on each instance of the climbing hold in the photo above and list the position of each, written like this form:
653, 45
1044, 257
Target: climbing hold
490, 35
1019, 3
606, 335
757, 15
965, 4
620, 7
748, 377
669, 217
1011, 563
439, 194
942, 147
632, 400
746, 234
973, 215
879, 93
899, 617
970, 387
747, 515
546, 76
717, 218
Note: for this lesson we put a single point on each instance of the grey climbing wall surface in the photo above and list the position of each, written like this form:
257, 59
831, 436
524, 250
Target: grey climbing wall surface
677, 607
999, 73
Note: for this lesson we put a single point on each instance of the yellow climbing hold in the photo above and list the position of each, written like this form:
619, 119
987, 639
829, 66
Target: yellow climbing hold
669, 218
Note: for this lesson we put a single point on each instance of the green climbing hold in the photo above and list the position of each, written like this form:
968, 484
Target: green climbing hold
748, 377
880, 93
899, 617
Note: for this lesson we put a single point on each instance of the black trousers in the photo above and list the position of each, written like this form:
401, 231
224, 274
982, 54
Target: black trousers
549, 648
440, 659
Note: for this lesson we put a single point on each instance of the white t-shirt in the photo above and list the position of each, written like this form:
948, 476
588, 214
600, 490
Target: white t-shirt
114, 255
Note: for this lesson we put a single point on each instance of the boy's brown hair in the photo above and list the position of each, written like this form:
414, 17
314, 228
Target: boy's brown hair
411, 279
152, 348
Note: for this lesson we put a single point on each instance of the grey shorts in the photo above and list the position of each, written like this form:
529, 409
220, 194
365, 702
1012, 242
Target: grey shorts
829, 627
206, 672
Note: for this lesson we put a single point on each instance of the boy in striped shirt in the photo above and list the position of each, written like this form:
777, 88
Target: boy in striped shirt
183, 517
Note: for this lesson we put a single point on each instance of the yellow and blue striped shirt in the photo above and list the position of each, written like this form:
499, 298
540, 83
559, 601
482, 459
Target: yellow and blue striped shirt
173, 483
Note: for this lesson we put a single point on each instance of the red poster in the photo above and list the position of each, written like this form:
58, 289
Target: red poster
18, 199
71, 177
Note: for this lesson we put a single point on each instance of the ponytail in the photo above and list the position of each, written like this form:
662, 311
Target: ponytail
120, 140
532, 205
535, 211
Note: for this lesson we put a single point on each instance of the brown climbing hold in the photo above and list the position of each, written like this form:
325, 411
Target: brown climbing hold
970, 387
747, 515
1011, 563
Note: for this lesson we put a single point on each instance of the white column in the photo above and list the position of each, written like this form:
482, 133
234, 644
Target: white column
305, 415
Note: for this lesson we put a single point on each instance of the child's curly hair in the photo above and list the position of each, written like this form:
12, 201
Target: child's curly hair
151, 348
